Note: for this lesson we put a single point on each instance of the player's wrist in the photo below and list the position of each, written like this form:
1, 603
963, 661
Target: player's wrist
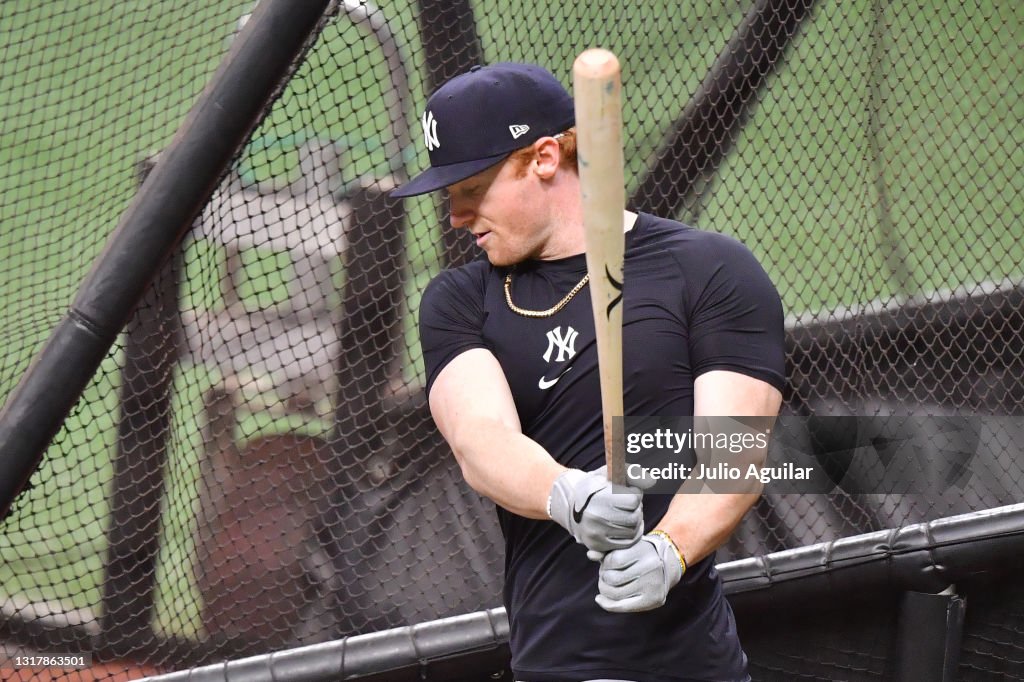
676, 557
560, 496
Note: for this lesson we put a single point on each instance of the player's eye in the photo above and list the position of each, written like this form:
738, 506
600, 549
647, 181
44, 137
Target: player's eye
469, 193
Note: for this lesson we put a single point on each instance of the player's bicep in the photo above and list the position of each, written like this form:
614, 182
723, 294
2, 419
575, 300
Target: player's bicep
469, 391
725, 393
718, 396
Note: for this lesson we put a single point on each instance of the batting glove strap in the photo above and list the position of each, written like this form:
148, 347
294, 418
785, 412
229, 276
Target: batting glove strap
638, 578
675, 548
595, 514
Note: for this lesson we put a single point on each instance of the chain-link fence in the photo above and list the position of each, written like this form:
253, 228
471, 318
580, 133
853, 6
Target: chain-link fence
254, 465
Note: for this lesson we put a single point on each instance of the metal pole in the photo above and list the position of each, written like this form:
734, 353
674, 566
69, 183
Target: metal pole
219, 123
152, 346
451, 45
703, 134
920, 557
398, 98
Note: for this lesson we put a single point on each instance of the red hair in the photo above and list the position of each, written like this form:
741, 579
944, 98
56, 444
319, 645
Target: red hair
521, 158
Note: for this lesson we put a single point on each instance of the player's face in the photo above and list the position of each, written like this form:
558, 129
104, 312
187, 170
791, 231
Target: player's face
500, 207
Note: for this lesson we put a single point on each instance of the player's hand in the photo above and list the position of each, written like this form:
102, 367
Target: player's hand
638, 578
598, 516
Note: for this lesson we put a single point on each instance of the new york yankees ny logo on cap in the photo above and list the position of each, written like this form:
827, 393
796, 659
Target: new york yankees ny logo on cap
478, 118
430, 131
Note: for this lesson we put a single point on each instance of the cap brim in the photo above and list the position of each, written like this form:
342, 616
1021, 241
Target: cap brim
438, 177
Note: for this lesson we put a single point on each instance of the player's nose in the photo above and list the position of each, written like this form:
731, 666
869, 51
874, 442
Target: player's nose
460, 214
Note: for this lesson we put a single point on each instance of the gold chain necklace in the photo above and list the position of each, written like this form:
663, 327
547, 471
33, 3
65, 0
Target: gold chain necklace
541, 313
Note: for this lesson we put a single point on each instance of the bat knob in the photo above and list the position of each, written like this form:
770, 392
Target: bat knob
596, 62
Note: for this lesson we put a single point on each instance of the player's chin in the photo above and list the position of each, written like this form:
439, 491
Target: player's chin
500, 259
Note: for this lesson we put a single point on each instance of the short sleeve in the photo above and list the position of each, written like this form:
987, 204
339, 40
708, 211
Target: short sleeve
735, 314
451, 318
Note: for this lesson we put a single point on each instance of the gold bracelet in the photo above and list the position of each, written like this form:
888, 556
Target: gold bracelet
668, 538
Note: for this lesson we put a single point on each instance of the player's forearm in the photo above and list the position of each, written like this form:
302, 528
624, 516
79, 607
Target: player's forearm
701, 523
700, 520
505, 466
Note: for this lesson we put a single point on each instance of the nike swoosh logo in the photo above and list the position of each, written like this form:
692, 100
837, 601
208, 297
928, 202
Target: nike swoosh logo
545, 384
577, 514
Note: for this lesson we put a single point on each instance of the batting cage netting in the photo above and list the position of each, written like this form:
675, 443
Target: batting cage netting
254, 467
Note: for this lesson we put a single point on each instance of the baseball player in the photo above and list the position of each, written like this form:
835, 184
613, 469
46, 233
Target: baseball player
508, 342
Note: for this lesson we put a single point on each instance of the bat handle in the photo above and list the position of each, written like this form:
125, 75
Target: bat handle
615, 451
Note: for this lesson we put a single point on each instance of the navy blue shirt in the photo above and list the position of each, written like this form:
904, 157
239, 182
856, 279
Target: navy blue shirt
693, 301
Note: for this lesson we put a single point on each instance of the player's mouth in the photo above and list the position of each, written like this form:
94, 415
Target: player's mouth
481, 238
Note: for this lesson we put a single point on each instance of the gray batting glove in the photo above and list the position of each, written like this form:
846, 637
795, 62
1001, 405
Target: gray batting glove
638, 578
599, 517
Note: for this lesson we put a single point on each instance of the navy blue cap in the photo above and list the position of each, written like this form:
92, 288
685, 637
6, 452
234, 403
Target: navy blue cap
478, 118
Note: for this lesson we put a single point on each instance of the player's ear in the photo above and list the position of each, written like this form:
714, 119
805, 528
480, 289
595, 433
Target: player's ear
547, 157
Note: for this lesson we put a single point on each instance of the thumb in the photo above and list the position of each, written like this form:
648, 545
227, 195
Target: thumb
628, 605
643, 481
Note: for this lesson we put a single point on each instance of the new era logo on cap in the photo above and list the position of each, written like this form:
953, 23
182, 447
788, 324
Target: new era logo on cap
518, 131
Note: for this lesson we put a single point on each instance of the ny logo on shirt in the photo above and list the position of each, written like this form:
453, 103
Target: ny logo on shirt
566, 344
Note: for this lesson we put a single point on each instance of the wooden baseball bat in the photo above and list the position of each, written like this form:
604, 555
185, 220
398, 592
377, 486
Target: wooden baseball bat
597, 85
